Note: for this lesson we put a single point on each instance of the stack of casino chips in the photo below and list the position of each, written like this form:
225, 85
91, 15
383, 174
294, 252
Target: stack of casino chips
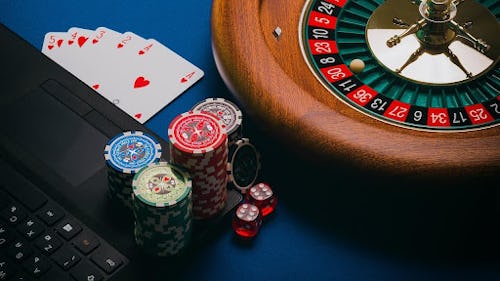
228, 112
162, 206
198, 142
125, 155
243, 159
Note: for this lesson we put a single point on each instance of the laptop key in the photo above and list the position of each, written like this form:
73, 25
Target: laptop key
13, 214
19, 250
6, 235
7, 270
68, 229
37, 265
107, 259
50, 214
85, 271
66, 257
86, 242
30, 228
48, 243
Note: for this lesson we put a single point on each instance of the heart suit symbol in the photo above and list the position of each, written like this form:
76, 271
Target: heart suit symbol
141, 82
82, 40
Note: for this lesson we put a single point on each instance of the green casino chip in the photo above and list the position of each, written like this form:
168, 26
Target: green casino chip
161, 184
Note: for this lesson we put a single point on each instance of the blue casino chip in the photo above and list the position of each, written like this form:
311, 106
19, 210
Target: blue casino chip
130, 151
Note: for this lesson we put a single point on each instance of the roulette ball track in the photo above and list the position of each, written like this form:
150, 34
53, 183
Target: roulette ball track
417, 105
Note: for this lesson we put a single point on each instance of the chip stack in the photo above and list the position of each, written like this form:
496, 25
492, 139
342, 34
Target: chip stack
198, 142
125, 155
228, 112
162, 205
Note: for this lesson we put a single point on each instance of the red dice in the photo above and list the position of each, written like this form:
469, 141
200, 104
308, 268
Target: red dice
247, 220
262, 196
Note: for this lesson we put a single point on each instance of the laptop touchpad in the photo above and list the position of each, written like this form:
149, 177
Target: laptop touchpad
56, 135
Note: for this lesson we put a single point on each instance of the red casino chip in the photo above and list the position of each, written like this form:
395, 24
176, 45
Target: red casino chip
198, 142
196, 132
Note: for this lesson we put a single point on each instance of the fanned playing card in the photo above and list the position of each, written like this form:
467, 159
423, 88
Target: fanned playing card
140, 76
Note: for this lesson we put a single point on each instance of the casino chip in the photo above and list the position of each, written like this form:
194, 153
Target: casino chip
162, 206
228, 112
243, 165
125, 155
198, 142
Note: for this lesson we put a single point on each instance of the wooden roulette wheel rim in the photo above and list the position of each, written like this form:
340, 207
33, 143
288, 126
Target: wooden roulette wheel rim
271, 80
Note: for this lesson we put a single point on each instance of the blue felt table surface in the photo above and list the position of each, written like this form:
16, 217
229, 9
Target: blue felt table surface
300, 241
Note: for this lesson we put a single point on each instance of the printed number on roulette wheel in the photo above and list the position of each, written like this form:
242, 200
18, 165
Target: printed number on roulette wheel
400, 86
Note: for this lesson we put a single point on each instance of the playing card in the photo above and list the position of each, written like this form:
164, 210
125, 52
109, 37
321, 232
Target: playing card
139, 76
111, 64
53, 43
69, 44
92, 56
90, 61
78, 37
158, 75
78, 57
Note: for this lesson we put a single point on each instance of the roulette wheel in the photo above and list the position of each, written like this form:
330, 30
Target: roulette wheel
403, 87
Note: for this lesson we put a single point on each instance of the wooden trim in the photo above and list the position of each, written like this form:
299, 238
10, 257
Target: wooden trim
272, 81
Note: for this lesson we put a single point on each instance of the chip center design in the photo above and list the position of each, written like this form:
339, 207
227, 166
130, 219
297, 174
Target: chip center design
131, 151
199, 132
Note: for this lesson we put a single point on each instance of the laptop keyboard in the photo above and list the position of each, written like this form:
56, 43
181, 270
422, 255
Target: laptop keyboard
39, 240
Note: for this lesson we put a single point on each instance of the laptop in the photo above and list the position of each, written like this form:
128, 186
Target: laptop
56, 220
